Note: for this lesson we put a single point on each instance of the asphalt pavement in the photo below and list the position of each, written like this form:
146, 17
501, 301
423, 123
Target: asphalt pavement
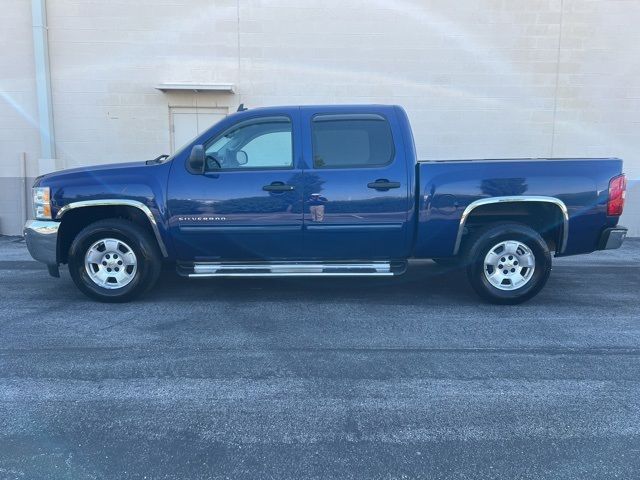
400, 378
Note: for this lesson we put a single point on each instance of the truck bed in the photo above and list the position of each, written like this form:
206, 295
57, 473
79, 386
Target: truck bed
447, 188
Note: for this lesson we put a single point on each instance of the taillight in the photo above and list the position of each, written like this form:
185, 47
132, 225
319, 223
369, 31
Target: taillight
617, 192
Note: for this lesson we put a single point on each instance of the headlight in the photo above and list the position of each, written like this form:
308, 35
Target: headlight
42, 203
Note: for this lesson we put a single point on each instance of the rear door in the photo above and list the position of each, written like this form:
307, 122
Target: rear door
356, 184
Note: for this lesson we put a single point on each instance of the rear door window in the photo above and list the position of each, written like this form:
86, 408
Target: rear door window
351, 141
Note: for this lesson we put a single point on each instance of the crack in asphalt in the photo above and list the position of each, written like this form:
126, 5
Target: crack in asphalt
386, 349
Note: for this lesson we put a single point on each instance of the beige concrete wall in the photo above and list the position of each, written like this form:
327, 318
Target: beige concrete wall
106, 58
479, 78
598, 100
18, 108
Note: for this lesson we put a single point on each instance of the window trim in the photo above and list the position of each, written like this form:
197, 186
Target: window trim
337, 117
247, 169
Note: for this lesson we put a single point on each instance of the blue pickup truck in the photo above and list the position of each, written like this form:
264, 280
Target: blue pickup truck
321, 191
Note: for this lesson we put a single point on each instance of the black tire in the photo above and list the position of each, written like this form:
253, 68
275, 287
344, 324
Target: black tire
143, 245
480, 243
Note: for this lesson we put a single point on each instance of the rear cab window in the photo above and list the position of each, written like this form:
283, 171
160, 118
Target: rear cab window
351, 141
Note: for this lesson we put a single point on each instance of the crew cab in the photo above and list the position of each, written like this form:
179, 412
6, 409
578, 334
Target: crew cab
321, 191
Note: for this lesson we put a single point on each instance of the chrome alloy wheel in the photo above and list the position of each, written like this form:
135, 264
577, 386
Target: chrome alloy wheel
509, 265
111, 263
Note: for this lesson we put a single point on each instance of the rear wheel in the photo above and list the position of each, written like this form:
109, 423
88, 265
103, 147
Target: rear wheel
114, 260
508, 263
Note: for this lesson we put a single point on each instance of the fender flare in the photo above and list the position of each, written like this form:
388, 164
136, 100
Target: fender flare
539, 199
119, 202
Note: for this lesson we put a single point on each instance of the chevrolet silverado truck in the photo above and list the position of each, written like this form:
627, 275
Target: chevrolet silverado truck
321, 191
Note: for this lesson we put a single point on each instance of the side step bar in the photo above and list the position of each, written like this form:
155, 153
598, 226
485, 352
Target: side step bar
293, 269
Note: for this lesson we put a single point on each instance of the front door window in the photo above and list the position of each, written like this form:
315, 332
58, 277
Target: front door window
255, 144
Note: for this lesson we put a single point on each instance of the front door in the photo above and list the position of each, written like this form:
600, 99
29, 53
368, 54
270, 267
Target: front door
357, 197
247, 204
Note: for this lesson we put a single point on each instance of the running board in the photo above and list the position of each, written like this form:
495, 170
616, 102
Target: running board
293, 269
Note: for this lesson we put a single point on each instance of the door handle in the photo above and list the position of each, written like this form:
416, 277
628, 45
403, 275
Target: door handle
278, 187
382, 184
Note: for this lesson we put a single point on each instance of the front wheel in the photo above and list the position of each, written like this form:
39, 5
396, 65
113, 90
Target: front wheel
508, 264
114, 260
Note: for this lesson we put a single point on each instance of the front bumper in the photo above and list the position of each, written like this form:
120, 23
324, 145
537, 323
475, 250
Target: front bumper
42, 241
612, 238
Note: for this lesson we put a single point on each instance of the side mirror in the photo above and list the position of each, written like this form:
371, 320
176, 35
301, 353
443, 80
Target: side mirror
196, 159
241, 157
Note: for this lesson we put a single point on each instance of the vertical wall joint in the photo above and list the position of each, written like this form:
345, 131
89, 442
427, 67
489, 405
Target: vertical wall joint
43, 79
